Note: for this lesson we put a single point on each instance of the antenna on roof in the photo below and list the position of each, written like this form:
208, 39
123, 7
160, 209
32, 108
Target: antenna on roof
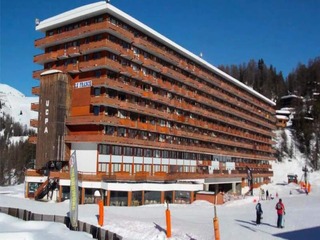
37, 21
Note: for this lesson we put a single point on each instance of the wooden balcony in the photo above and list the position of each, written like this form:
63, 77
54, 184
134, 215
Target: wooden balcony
73, 51
33, 173
97, 120
32, 139
45, 57
146, 176
36, 74
84, 31
35, 107
109, 139
114, 84
104, 44
34, 123
36, 91
102, 62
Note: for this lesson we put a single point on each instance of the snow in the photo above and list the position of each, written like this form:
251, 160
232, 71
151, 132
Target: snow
17, 105
194, 221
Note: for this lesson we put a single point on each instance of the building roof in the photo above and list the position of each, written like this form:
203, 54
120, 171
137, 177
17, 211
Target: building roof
282, 117
101, 7
283, 112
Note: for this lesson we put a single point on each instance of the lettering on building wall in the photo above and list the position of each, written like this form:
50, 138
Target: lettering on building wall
83, 84
46, 118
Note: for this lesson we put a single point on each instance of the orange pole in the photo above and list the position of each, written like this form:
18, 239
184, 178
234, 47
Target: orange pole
168, 221
216, 223
101, 212
216, 228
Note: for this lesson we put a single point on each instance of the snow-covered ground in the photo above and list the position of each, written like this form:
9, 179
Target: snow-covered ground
189, 222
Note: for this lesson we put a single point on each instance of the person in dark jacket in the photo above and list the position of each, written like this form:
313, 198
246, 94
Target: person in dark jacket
280, 211
259, 213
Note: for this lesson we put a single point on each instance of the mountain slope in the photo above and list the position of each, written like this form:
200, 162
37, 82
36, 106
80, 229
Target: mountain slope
17, 105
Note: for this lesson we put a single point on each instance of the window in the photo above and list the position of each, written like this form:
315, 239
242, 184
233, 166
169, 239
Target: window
138, 152
116, 150
102, 167
116, 167
156, 153
127, 151
121, 132
104, 149
165, 154
113, 21
96, 110
148, 153
98, 73
109, 130
97, 91
135, 67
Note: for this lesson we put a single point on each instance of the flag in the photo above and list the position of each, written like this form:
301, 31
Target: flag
74, 195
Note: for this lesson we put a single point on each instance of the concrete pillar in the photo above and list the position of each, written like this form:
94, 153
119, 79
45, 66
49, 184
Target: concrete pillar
206, 187
234, 189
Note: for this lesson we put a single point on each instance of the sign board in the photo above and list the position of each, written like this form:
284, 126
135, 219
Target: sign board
74, 194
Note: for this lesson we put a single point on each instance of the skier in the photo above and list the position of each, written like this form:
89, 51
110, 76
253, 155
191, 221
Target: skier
280, 211
259, 213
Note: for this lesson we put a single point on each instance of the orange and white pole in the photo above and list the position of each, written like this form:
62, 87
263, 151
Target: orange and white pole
168, 221
101, 213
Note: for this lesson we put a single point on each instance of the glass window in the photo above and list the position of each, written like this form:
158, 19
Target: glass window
118, 198
110, 130
102, 167
138, 152
152, 197
116, 167
104, 149
137, 168
96, 110
136, 199
168, 196
182, 197
98, 73
116, 150
128, 151
121, 132
148, 152
156, 153
97, 91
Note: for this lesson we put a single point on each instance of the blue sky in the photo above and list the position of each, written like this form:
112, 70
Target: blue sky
281, 32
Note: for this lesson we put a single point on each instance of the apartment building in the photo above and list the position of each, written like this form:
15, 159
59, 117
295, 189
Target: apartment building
149, 121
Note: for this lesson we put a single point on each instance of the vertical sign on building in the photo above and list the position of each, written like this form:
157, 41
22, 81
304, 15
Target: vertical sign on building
74, 198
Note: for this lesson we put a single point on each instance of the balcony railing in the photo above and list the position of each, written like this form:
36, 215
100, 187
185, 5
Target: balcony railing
162, 145
32, 139
34, 123
35, 107
35, 90
45, 57
137, 108
82, 32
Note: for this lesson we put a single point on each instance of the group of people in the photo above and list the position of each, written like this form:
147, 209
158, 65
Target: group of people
280, 212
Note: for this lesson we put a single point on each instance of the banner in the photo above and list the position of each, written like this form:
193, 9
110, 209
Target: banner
74, 195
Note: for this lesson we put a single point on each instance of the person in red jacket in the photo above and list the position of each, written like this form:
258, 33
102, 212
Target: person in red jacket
280, 211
